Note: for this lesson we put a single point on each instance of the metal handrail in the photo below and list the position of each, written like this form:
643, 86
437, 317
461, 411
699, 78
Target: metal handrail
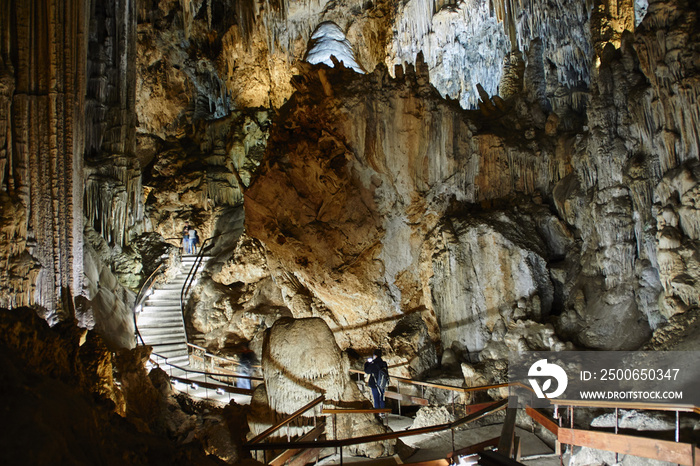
189, 280
683, 407
212, 375
441, 386
497, 406
141, 297
225, 359
258, 438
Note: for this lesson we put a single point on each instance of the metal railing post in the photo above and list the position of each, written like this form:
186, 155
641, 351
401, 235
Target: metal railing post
398, 390
616, 422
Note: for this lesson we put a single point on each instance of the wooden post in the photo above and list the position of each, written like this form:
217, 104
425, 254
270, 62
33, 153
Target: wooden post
517, 448
505, 444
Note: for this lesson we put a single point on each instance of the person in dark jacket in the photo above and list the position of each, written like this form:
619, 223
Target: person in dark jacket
373, 366
247, 360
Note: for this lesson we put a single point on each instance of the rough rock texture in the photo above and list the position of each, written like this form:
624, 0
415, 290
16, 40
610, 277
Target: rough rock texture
68, 153
677, 209
113, 202
105, 304
367, 188
411, 340
562, 211
496, 268
378, 198
237, 298
588, 456
65, 406
42, 66
631, 419
199, 176
431, 416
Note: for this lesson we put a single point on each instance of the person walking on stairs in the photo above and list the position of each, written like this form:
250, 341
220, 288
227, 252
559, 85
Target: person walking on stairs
186, 244
378, 372
194, 239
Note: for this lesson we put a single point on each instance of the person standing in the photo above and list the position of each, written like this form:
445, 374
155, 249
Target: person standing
186, 239
378, 372
247, 360
193, 241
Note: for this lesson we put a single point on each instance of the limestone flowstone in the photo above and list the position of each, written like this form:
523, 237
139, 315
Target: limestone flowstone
357, 176
300, 362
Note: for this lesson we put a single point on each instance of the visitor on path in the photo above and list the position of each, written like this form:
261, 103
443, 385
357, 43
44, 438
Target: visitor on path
378, 372
193, 241
246, 359
186, 246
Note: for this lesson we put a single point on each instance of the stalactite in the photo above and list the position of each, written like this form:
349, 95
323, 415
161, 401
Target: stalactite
49, 131
112, 194
463, 46
670, 112
187, 12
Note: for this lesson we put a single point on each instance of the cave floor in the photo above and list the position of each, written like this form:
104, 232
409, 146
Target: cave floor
437, 445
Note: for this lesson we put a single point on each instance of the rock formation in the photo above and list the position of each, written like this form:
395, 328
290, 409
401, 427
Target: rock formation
295, 377
504, 176
65, 405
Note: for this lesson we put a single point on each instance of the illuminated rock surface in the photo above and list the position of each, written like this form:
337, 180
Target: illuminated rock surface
550, 203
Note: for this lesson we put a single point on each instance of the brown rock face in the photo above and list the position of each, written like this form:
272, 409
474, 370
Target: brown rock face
359, 171
64, 406
368, 193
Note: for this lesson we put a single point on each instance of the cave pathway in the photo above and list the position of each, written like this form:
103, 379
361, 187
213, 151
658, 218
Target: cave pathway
161, 326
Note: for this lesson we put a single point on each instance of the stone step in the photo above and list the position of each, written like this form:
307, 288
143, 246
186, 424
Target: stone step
160, 331
145, 323
161, 301
151, 317
164, 304
178, 359
163, 340
180, 280
181, 361
163, 314
170, 287
161, 310
158, 293
166, 295
171, 349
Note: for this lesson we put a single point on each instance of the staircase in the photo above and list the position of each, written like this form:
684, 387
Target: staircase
161, 324
162, 327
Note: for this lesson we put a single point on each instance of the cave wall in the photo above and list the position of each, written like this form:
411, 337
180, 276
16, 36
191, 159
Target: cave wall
113, 191
44, 83
375, 190
68, 160
370, 188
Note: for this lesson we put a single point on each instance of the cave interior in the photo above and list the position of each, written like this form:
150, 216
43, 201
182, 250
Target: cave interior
450, 182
